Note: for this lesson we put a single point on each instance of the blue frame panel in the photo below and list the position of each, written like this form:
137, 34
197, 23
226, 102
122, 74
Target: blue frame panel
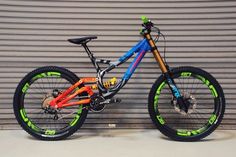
141, 48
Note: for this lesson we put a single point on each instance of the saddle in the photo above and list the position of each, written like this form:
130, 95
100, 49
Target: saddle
82, 40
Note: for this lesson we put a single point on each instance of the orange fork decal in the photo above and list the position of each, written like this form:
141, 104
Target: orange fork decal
63, 98
156, 54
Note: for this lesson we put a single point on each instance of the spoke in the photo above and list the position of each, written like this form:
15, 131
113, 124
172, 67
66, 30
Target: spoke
180, 82
36, 116
64, 87
193, 83
195, 91
195, 120
42, 82
200, 115
61, 118
183, 83
38, 109
38, 87
49, 83
53, 83
187, 84
32, 95
33, 102
58, 81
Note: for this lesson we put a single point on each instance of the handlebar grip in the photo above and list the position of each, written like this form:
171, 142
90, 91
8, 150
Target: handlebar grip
144, 19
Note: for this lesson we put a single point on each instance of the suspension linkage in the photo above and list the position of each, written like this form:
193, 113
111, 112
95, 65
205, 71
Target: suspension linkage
63, 99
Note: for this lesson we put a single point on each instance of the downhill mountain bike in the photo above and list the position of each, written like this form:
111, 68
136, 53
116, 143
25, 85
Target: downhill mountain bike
185, 103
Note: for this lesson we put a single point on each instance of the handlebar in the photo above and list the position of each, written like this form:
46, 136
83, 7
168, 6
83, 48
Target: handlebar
148, 26
145, 19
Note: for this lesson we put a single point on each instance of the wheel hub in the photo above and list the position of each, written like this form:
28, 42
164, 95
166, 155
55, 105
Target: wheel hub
189, 100
46, 104
46, 100
49, 97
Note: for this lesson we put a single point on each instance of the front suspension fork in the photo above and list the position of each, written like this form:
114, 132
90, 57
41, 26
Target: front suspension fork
165, 70
176, 92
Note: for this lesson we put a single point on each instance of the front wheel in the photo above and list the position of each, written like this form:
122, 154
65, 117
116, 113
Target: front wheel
31, 104
205, 99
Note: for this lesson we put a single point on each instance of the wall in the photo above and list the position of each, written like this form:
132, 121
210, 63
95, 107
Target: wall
34, 33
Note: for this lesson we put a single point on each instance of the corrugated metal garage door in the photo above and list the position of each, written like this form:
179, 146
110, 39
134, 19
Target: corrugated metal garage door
33, 33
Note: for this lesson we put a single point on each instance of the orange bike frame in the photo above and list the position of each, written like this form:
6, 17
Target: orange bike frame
63, 99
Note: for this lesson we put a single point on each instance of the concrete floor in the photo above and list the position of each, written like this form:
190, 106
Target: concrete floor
116, 143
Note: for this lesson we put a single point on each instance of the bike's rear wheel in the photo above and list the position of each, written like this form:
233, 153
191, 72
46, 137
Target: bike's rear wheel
31, 104
204, 96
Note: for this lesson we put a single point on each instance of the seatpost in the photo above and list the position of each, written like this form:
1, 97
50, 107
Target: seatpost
92, 58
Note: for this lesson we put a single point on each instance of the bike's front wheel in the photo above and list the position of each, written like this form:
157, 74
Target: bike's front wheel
203, 96
31, 100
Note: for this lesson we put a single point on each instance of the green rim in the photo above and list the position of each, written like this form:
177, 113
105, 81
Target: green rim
182, 132
158, 92
31, 125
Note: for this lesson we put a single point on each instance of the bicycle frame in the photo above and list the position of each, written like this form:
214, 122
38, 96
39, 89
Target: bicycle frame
44, 98
140, 49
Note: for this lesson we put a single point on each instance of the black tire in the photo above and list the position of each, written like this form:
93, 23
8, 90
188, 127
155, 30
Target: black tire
31, 93
206, 99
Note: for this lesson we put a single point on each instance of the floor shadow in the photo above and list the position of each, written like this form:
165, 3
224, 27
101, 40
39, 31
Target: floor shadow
102, 133
219, 135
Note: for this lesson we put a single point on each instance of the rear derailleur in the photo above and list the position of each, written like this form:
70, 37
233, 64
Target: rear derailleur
45, 103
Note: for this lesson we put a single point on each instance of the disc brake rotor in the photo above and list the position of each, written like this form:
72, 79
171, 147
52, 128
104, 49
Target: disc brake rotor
46, 100
189, 99
46, 106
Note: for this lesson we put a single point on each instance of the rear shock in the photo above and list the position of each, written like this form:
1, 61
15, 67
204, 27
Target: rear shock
107, 84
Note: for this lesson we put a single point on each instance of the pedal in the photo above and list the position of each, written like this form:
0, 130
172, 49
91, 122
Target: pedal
115, 100
111, 101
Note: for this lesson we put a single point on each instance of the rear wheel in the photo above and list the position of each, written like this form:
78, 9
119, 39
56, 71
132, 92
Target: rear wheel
31, 104
205, 100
